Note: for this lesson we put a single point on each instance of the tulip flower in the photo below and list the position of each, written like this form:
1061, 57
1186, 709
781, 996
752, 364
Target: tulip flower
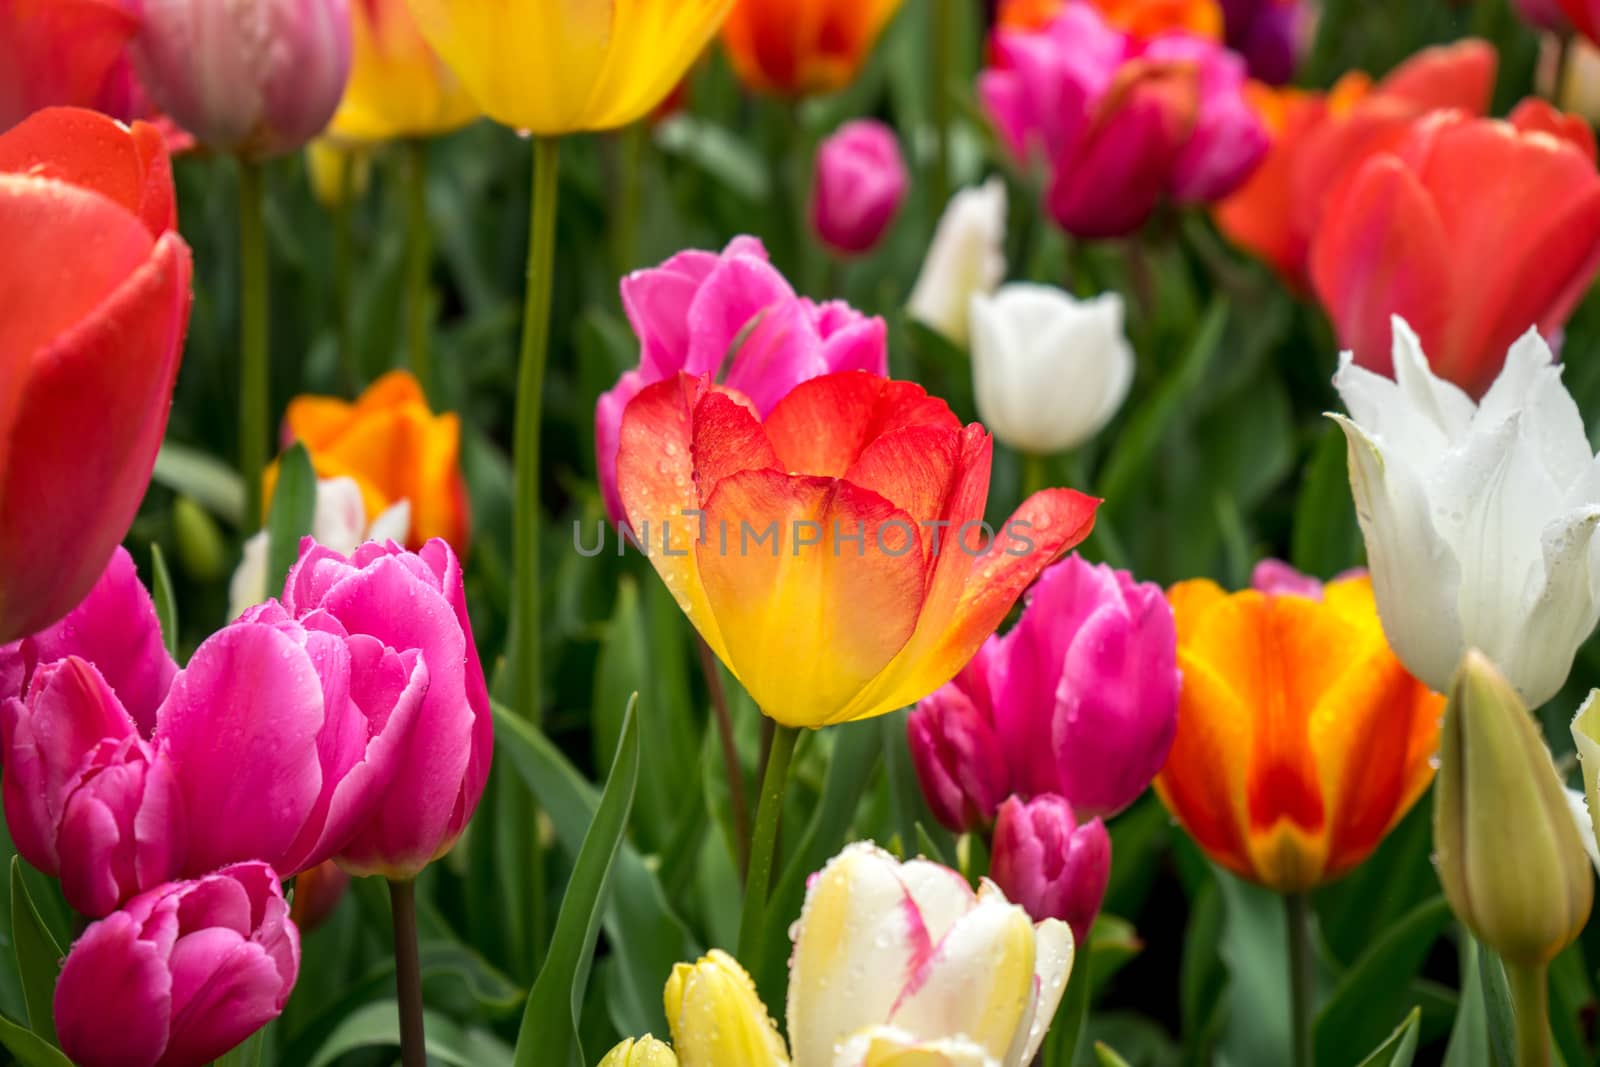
257, 79
645, 1052
1397, 240
967, 258
1544, 14
860, 184
96, 301
181, 974
862, 975
1049, 862
1119, 122
717, 1016
1319, 139
413, 605
1301, 738
830, 508
1584, 16
1479, 518
398, 87
554, 68
338, 176
339, 522
1142, 18
1271, 35
735, 317
394, 448
1048, 370
66, 53
803, 47
1077, 699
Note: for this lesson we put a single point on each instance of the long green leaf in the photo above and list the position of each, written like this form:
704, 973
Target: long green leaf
1372, 992
29, 1048
1401, 1047
549, 1033
1107, 1056
216, 486
165, 600
38, 956
377, 1025
294, 506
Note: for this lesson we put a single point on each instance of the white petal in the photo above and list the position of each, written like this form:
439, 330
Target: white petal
885, 1045
1586, 736
248, 586
340, 520
967, 256
1578, 804
393, 525
1054, 952
1561, 612
1441, 402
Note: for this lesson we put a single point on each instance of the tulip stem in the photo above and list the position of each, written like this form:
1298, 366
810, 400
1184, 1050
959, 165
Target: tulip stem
737, 798
1530, 1003
254, 321
419, 260
1035, 473
1302, 975
943, 16
763, 843
630, 173
343, 268
408, 972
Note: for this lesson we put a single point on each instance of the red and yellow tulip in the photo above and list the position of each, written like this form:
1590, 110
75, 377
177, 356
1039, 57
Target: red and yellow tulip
1142, 18
802, 47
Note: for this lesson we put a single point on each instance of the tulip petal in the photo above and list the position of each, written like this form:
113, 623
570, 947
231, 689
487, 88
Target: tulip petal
111, 972
223, 986
1054, 953
823, 425
125, 164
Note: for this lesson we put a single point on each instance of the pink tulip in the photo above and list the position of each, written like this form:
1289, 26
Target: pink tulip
409, 604
1277, 578
254, 77
1120, 122
116, 629
86, 798
860, 184
1048, 862
180, 974
1544, 15
954, 748
699, 308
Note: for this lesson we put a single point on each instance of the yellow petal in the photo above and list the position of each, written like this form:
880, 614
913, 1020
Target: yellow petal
645, 1052
717, 1017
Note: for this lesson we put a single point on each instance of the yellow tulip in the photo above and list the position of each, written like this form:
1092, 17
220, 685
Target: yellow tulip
645, 1052
717, 1017
338, 175
554, 67
398, 86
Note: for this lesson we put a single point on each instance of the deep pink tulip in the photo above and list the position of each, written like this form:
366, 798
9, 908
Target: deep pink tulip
1051, 864
86, 798
859, 186
1272, 35
180, 974
734, 317
409, 604
1119, 122
955, 750
116, 629
1544, 14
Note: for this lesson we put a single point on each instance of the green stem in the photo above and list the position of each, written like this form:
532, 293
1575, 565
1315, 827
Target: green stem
408, 973
1530, 1002
254, 320
343, 273
625, 219
419, 262
1302, 975
738, 801
763, 844
1035, 475
943, 16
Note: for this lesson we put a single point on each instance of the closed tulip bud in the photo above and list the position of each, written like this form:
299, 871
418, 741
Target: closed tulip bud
967, 258
180, 974
859, 187
256, 78
717, 1017
645, 1052
1048, 370
1507, 850
1050, 863
955, 750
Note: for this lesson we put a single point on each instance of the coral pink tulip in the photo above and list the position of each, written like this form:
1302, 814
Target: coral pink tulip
181, 974
409, 604
859, 187
67, 52
732, 316
1051, 864
94, 301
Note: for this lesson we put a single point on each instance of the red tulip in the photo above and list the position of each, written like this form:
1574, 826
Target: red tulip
94, 301
66, 52
1472, 230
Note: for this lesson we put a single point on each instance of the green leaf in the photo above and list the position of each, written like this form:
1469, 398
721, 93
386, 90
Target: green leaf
166, 602
1482, 1035
29, 1048
1326, 539
718, 152
1372, 992
1107, 1056
294, 506
38, 956
1497, 1007
213, 484
377, 1025
246, 1053
549, 1032
1254, 948
1401, 1047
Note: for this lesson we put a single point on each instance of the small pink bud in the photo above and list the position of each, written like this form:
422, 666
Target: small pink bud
859, 186
1048, 862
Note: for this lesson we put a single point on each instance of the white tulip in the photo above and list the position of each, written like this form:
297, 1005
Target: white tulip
1479, 518
1048, 370
967, 256
865, 975
339, 522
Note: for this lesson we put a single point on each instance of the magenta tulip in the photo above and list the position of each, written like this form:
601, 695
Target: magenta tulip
859, 187
86, 798
734, 317
180, 974
409, 605
1051, 864
955, 750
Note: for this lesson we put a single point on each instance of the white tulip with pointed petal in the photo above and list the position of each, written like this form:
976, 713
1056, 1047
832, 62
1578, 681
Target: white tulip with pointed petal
967, 256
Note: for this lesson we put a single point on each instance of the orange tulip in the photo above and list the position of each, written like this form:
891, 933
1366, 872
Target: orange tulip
394, 447
1320, 139
1301, 739
1142, 18
802, 47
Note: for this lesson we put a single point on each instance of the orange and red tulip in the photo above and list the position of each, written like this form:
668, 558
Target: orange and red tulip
1301, 739
1472, 230
94, 302
831, 554
803, 47
1142, 18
